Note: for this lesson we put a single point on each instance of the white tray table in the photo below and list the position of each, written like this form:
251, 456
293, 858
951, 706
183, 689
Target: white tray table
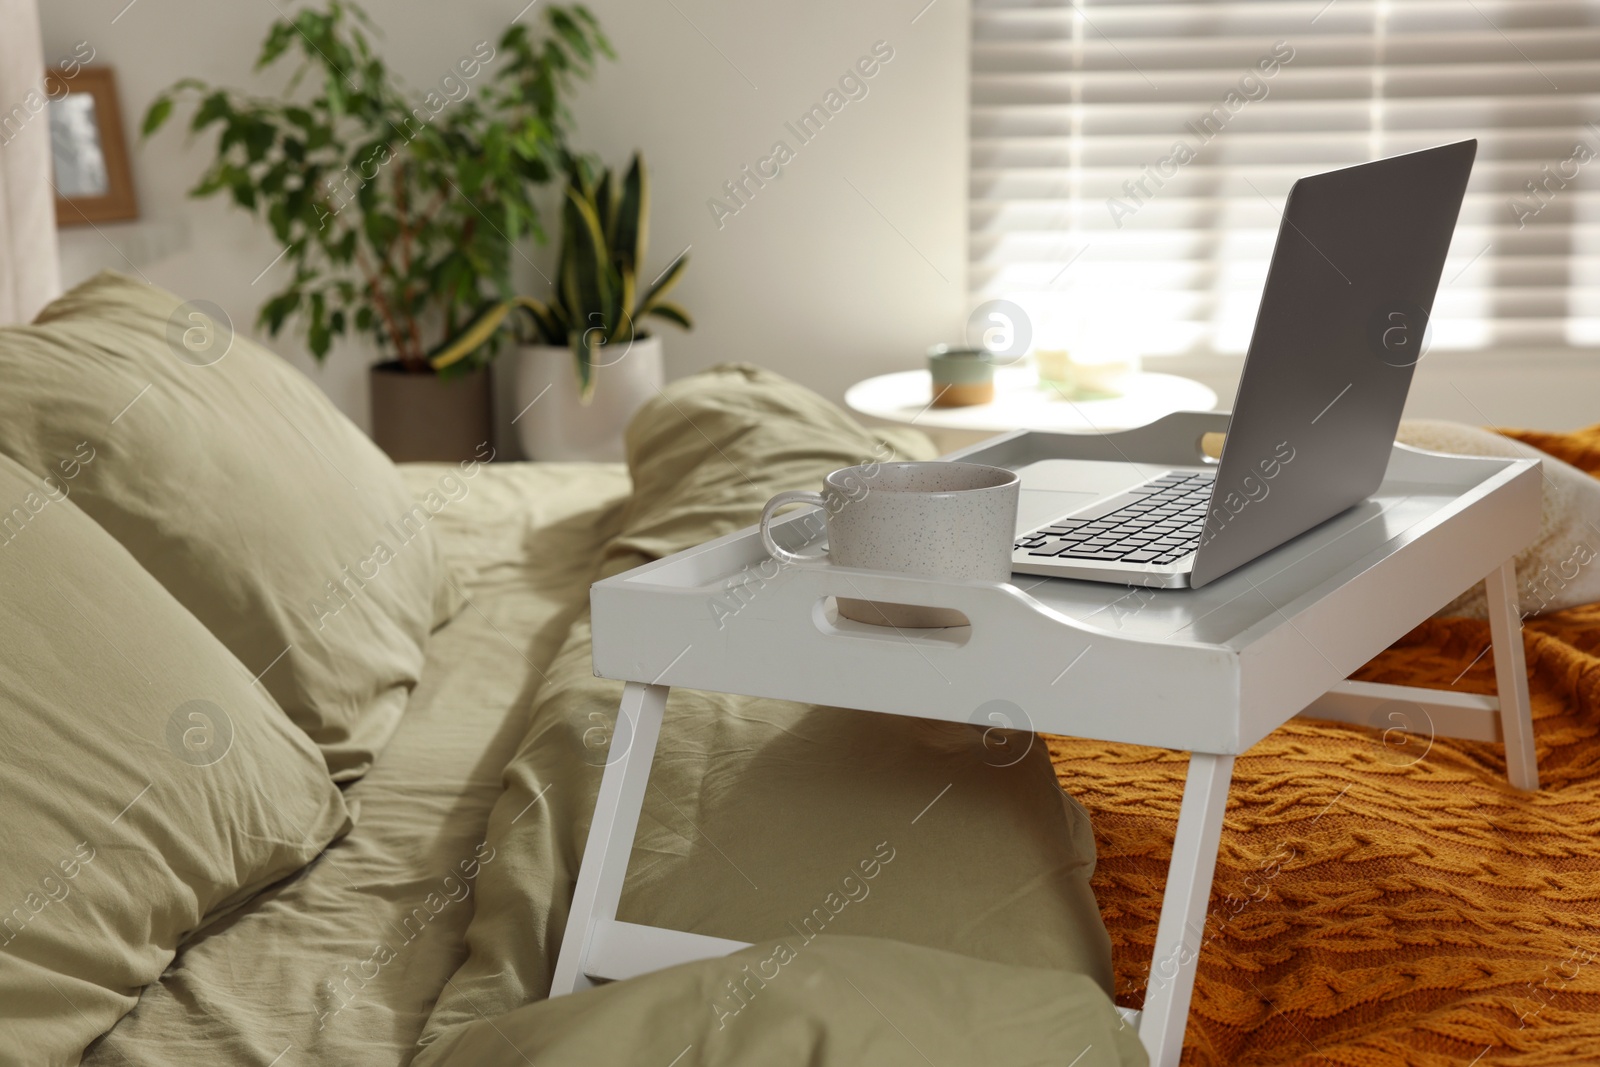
1208, 671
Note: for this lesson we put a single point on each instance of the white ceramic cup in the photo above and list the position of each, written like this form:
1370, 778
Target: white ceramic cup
939, 520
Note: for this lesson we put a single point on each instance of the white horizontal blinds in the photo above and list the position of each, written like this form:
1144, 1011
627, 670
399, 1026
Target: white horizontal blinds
1086, 210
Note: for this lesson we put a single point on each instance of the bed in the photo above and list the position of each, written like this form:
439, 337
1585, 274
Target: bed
420, 637
1364, 912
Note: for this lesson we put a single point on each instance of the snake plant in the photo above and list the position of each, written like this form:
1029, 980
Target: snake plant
596, 302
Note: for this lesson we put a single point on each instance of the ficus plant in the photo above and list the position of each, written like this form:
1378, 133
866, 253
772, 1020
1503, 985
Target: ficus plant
597, 300
399, 212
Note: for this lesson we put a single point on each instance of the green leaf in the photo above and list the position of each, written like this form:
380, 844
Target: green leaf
532, 138
278, 219
605, 201
548, 325
344, 250
616, 324
673, 313
333, 89
159, 112
259, 137
590, 286
583, 176
209, 184
479, 330
624, 306
244, 193
276, 310
601, 43
279, 37
317, 334
214, 108
569, 31
633, 217
382, 231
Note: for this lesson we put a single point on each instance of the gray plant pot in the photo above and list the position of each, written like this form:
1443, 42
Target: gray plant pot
422, 417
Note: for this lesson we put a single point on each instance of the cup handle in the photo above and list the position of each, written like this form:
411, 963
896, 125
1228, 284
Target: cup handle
792, 496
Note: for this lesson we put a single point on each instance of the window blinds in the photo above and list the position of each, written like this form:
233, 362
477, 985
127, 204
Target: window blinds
1130, 157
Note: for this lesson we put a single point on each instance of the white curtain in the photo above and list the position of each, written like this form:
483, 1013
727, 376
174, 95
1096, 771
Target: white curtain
29, 272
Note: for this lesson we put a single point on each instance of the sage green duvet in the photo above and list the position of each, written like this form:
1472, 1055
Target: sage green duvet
909, 901
912, 901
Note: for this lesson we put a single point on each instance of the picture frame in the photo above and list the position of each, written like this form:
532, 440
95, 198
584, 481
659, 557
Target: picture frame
89, 154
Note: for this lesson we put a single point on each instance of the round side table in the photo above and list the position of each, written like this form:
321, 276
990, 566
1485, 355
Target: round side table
1022, 403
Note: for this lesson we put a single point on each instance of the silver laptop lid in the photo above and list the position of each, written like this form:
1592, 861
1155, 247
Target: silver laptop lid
1338, 333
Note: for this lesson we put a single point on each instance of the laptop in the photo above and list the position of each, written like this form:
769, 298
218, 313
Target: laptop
1339, 330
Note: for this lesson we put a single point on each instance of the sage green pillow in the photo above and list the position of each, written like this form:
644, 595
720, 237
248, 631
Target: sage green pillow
146, 783
236, 482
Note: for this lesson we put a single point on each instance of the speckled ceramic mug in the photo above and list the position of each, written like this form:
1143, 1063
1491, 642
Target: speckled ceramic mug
941, 520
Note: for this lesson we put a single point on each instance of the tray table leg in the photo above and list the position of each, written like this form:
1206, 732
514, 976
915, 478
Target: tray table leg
1511, 676
1180, 932
616, 821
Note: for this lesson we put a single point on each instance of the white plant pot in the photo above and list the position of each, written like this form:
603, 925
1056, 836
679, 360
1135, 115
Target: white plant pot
550, 418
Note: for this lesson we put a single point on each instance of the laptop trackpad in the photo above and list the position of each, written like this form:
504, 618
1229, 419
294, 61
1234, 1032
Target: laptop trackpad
1036, 507
1052, 488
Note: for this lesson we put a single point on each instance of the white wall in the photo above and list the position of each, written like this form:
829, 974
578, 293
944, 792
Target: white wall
809, 278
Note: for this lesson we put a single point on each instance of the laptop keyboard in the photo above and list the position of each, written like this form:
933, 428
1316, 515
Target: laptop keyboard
1162, 525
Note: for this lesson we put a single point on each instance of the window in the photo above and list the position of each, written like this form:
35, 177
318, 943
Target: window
1129, 158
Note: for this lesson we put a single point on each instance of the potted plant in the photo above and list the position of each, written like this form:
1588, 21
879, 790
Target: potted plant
586, 360
397, 215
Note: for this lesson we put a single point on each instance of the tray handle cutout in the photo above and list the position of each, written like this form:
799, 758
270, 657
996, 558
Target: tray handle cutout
825, 614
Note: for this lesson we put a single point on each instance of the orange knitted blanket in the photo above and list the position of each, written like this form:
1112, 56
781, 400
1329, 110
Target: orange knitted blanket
1376, 902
